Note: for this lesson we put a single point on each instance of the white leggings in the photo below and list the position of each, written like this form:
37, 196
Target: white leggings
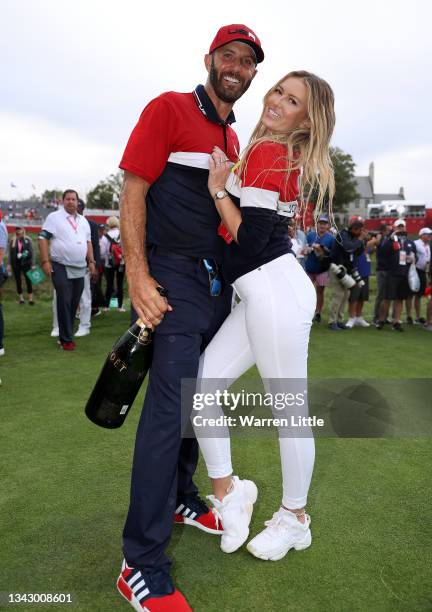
270, 328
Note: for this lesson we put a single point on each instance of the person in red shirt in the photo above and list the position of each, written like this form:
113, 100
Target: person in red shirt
270, 327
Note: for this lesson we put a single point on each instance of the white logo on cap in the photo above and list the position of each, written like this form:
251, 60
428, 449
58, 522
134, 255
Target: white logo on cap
251, 35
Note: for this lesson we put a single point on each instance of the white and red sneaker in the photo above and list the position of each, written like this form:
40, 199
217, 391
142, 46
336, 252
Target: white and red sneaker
193, 511
141, 591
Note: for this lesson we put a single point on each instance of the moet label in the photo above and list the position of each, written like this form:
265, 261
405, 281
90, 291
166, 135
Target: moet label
117, 363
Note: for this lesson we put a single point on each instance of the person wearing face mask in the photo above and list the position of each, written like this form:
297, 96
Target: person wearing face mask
270, 326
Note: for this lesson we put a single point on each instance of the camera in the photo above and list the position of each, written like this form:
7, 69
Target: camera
345, 279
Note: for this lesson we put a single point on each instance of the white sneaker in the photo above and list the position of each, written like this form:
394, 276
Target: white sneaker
2, 352
350, 323
360, 322
55, 332
283, 532
236, 512
81, 332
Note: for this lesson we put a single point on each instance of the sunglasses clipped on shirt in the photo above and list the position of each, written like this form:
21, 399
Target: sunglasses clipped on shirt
215, 280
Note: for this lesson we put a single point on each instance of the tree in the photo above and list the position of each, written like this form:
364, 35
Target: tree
51, 195
106, 194
346, 185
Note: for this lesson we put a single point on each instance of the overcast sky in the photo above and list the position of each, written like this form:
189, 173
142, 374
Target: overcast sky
75, 75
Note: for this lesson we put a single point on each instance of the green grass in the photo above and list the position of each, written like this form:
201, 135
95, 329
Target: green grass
65, 487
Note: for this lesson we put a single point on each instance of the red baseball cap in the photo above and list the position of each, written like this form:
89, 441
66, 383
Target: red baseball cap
241, 33
355, 220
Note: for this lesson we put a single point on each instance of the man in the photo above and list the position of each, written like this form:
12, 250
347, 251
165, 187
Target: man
71, 252
381, 269
85, 305
320, 244
423, 262
165, 205
359, 294
347, 247
398, 252
3, 276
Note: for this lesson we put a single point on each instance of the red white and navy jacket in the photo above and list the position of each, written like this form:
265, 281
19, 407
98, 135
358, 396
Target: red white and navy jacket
267, 195
170, 148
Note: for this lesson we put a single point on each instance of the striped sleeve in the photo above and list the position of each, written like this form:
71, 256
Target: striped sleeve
265, 185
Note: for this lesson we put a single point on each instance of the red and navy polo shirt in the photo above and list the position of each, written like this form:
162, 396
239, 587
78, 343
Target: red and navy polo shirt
266, 193
170, 148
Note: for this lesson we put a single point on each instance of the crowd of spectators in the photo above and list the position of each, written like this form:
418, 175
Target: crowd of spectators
340, 263
83, 259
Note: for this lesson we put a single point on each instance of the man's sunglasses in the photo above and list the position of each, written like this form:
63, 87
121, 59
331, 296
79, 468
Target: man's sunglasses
215, 281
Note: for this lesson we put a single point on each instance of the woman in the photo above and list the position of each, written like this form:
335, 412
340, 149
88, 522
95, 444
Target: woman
271, 325
21, 260
114, 264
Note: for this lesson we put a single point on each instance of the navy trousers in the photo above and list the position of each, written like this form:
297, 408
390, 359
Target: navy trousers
69, 292
164, 463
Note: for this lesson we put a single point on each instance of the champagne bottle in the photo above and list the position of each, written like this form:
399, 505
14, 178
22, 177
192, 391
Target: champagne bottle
121, 377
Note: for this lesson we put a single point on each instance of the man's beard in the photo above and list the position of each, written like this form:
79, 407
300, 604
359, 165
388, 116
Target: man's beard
216, 81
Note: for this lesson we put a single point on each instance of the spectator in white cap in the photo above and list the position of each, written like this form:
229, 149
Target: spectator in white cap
423, 262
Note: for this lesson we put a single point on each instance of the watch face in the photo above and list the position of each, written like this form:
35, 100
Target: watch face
220, 194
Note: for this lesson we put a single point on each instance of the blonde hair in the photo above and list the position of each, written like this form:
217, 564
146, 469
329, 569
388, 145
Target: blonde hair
15, 237
307, 145
113, 222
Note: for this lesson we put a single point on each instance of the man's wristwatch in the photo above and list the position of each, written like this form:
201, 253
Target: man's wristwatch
220, 195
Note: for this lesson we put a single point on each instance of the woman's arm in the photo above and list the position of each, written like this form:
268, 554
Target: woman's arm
252, 225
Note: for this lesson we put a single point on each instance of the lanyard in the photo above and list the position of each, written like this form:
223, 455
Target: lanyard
72, 223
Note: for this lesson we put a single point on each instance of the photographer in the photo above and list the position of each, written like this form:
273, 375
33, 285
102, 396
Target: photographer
398, 253
347, 247
382, 272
